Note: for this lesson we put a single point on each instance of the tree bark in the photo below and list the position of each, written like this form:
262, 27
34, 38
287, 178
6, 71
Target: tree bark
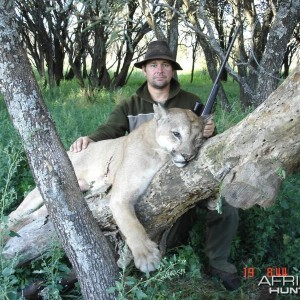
245, 165
260, 64
78, 231
280, 34
172, 25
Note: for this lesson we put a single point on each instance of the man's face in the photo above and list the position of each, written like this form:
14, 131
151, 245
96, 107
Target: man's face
158, 73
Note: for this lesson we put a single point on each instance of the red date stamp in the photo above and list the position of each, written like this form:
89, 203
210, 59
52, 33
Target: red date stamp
249, 272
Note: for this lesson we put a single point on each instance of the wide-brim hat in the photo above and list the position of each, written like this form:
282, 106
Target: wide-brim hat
158, 50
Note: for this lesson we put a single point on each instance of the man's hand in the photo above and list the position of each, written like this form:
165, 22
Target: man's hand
209, 128
81, 143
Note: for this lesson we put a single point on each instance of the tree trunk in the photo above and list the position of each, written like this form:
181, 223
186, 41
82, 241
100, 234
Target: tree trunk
131, 41
99, 77
245, 164
172, 25
59, 61
260, 64
283, 26
78, 231
120, 78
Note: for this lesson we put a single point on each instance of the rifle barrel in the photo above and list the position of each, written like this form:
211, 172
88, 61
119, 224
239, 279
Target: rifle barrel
214, 91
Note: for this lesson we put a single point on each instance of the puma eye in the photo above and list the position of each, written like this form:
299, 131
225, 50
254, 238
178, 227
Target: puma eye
176, 134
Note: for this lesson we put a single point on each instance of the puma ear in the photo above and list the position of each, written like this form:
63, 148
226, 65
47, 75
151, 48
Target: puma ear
159, 111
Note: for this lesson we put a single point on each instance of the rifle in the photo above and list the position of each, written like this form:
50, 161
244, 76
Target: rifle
214, 91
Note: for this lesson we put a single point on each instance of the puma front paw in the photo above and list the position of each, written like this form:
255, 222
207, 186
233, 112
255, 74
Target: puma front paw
146, 255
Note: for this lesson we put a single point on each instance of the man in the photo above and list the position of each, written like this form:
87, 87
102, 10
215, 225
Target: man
159, 67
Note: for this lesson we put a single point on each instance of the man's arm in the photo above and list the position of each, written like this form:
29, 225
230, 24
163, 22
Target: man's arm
116, 126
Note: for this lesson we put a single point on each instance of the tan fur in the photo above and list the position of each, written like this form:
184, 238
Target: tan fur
129, 164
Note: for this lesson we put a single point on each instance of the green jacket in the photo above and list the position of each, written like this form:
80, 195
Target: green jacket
130, 113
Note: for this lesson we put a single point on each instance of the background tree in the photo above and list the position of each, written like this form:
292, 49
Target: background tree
291, 50
163, 20
77, 229
210, 56
271, 25
112, 34
38, 24
129, 40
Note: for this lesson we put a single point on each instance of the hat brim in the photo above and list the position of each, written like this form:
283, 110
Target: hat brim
175, 64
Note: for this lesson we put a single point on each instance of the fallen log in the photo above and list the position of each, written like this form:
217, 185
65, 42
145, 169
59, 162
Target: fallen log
245, 165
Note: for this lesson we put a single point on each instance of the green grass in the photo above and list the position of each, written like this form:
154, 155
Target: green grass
266, 237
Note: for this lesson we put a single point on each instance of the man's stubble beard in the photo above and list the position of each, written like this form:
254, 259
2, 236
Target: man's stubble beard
159, 86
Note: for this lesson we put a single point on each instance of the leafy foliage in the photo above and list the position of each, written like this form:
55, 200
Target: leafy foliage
274, 235
152, 286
